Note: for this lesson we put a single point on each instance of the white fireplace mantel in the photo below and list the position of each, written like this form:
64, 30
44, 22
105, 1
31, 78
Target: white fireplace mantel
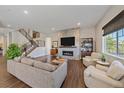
76, 53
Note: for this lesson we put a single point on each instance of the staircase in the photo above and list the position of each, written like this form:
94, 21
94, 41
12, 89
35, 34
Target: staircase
34, 45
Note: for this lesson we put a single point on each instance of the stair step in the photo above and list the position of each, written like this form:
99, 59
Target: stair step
30, 39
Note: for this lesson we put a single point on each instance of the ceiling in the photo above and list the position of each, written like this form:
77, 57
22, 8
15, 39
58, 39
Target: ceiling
51, 18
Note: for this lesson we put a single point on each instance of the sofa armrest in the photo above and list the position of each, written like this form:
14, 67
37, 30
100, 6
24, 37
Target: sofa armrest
87, 56
59, 74
101, 67
105, 79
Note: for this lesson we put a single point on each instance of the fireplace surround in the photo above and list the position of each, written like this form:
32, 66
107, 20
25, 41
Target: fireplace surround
67, 53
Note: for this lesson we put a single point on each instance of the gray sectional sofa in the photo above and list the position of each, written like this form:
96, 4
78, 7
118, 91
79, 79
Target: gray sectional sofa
38, 74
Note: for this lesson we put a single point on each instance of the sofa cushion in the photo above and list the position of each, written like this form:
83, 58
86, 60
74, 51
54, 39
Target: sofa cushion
27, 61
45, 66
116, 70
41, 59
101, 67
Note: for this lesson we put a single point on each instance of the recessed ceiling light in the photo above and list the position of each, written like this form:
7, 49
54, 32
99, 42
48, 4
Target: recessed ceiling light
8, 25
53, 29
78, 24
25, 11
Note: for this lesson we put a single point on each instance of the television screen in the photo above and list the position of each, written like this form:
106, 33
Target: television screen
68, 41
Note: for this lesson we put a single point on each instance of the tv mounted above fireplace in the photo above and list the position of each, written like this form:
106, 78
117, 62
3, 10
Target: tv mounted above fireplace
68, 41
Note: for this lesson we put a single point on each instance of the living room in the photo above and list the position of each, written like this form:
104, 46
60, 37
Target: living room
73, 38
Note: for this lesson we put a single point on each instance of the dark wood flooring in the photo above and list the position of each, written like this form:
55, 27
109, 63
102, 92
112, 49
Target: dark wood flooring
6, 79
75, 74
74, 77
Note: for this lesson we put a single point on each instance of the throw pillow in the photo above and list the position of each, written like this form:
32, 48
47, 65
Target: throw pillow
27, 61
45, 66
116, 70
42, 59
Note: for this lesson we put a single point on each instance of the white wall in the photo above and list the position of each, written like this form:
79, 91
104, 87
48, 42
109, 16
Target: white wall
112, 12
48, 45
87, 33
5, 38
54, 36
42, 36
1, 41
18, 38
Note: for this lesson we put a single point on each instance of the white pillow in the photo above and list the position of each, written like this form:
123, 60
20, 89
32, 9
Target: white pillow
116, 70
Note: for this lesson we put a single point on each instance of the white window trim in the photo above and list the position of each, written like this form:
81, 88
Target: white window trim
113, 55
106, 53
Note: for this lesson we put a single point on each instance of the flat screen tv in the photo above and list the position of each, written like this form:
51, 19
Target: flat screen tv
68, 41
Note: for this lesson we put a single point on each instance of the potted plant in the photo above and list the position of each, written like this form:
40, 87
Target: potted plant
103, 58
13, 51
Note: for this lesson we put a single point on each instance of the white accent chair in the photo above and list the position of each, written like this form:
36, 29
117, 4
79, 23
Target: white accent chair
90, 60
98, 78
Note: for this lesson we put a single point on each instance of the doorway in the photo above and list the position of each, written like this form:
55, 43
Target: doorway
5, 41
1, 45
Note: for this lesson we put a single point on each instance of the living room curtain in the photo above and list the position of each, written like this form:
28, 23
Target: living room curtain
115, 24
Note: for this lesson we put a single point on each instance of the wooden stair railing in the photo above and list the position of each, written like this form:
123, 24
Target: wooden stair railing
30, 39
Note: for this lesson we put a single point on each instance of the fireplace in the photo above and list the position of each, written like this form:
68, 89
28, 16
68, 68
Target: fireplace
67, 53
72, 53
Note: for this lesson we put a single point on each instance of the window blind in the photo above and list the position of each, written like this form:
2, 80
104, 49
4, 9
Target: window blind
115, 24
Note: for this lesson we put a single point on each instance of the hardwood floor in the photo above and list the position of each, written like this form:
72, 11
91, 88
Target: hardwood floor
74, 77
6, 79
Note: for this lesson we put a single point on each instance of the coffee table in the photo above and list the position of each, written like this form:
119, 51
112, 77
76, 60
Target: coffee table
58, 61
103, 63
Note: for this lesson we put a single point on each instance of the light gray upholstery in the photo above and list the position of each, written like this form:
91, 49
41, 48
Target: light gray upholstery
45, 66
36, 77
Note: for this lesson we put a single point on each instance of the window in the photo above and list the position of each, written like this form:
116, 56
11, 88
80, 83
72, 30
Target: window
114, 43
111, 44
121, 44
